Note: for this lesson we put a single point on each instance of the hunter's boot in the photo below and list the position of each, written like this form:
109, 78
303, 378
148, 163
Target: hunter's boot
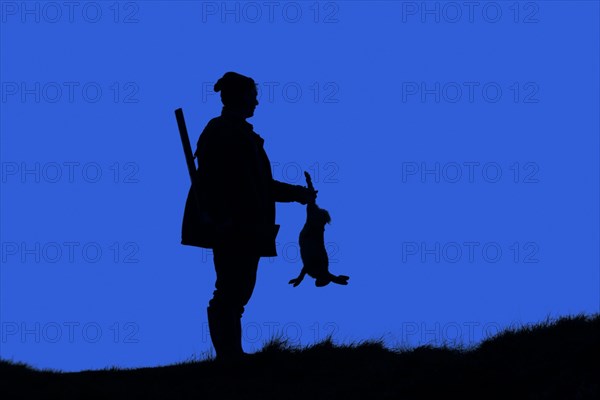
215, 328
226, 334
237, 335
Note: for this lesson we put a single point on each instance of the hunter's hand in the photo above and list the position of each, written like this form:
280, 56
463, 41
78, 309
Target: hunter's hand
307, 195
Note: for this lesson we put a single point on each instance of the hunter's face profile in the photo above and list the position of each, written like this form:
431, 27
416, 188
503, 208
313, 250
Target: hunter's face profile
249, 102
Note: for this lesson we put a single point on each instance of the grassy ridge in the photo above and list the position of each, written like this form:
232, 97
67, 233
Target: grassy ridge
550, 360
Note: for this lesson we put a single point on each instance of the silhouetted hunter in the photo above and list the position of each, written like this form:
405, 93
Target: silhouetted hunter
236, 212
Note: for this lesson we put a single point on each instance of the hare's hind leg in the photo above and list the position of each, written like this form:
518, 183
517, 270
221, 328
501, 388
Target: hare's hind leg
340, 279
296, 281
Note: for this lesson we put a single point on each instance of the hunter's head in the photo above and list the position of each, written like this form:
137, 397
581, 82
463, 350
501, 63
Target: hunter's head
238, 93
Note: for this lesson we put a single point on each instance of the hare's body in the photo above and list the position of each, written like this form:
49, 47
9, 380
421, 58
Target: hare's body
312, 247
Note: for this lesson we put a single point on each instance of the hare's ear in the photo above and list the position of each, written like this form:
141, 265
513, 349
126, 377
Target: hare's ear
308, 181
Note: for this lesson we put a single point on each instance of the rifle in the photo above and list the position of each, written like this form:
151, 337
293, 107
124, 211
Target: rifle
187, 148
